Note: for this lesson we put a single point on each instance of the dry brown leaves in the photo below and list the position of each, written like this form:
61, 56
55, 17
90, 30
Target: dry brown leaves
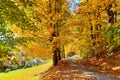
107, 64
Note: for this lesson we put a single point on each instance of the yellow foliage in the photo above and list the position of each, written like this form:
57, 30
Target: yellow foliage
35, 50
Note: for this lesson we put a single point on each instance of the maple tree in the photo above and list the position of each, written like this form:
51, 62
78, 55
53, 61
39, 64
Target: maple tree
47, 21
61, 28
58, 30
98, 19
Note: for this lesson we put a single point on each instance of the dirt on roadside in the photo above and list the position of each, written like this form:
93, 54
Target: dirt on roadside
106, 64
71, 70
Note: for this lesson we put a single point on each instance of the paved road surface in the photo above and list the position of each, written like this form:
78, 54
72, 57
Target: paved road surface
69, 70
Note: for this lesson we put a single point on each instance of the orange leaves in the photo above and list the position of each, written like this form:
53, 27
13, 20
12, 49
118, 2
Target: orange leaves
51, 31
19, 32
36, 50
117, 8
39, 11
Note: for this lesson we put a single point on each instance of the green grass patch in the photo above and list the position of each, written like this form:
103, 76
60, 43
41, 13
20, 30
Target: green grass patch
31, 73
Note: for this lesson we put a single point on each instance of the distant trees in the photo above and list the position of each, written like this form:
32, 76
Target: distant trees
101, 22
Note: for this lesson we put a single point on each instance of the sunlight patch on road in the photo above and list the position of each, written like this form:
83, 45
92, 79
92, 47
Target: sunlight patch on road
116, 68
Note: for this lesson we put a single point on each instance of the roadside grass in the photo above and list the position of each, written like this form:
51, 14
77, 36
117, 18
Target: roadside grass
31, 73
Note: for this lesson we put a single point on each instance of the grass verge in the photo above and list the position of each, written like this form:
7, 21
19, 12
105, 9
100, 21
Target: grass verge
32, 73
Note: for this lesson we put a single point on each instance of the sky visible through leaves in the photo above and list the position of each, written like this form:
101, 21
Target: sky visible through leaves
74, 4
77, 1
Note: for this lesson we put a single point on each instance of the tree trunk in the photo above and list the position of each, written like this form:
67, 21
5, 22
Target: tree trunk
63, 52
111, 14
55, 58
59, 53
93, 36
55, 34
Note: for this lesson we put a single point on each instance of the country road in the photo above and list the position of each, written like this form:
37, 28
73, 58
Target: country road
93, 74
70, 70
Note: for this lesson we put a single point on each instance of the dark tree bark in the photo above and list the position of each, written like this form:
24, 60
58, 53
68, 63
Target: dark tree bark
63, 52
111, 14
55, 58
56, 43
